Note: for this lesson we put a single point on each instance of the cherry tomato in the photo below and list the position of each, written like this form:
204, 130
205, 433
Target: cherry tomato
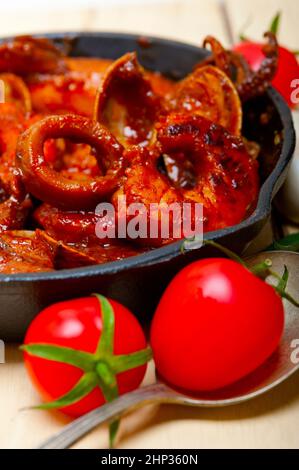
288, 68
78, 324
216, 322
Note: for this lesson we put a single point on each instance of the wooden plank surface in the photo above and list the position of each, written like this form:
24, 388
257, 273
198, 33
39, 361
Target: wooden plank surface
186, 20
269, 421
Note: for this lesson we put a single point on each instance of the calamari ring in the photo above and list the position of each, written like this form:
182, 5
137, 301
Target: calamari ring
126, 103
208, 92
226, 175
48, 185
16, 91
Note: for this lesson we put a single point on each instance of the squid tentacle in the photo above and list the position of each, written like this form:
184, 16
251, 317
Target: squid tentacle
249, 83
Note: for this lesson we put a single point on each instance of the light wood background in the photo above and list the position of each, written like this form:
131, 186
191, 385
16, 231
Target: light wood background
266, 422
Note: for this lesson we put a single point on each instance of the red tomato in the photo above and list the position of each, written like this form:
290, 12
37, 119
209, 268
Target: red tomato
215, 323
288, 68
77, 324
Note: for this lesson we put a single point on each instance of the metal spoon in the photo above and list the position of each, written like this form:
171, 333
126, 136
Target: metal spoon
274, 371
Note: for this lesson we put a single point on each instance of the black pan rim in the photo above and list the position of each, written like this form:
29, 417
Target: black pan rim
173, 250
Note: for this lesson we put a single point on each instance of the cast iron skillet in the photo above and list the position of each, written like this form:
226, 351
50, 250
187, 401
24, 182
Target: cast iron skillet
139, 281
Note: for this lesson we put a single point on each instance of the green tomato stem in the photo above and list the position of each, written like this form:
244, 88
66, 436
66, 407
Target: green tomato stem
230, 254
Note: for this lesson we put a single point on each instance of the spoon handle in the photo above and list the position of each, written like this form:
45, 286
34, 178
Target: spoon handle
71, 433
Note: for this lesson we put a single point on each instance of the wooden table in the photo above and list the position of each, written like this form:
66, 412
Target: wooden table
269, 421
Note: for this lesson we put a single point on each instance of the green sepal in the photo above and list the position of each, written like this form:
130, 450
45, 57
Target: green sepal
109, 387
287, 296
283, 281
282, 285
80, 359
106, 342
84, 386
122, 362
113, 428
